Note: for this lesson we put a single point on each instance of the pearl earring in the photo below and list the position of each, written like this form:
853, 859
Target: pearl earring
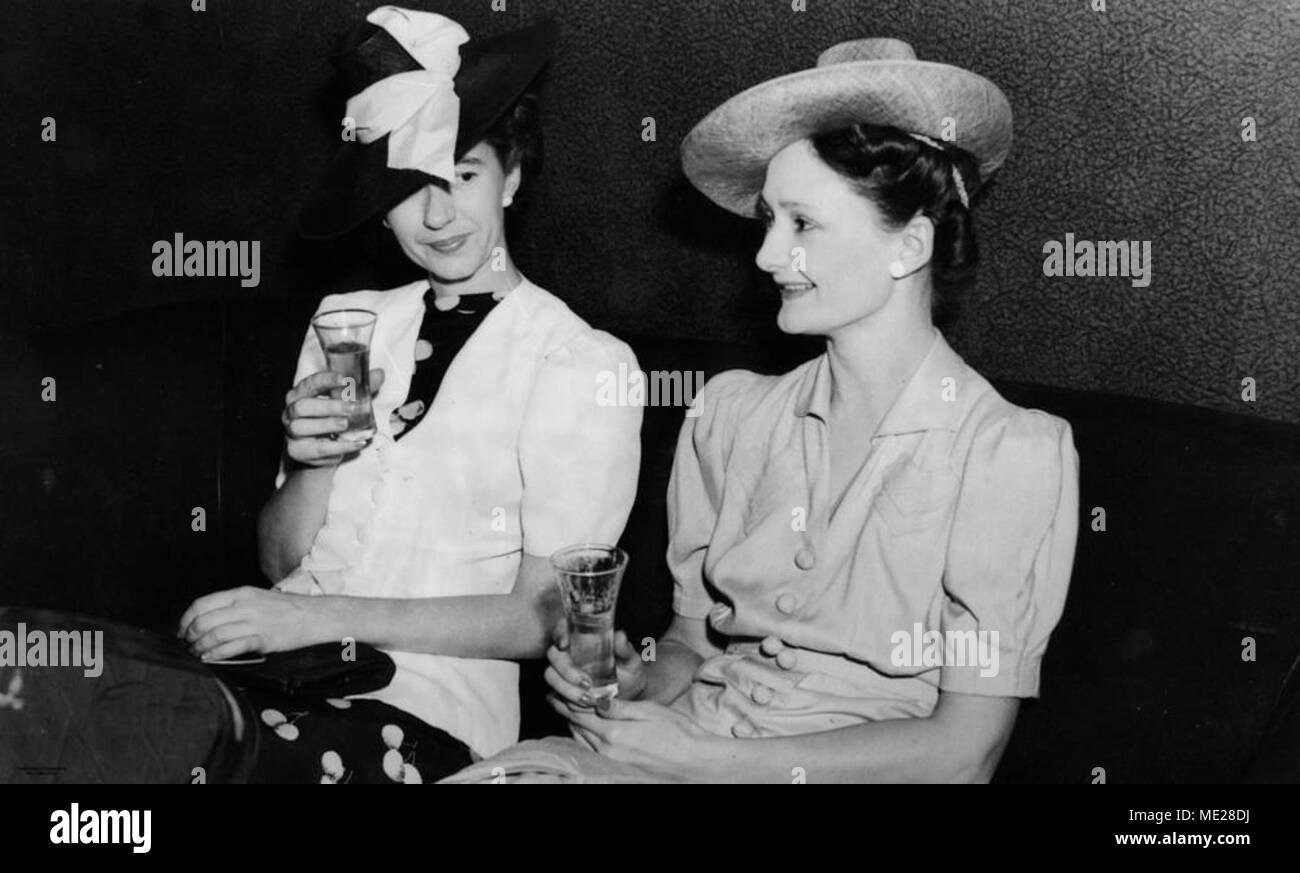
507, 200
897, 269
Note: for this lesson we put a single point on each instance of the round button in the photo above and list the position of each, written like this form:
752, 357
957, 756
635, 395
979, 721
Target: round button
761, 694
786, 659
771, 646
742, 730
804, 559
786, 604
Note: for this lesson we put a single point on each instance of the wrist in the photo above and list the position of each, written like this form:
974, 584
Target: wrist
331, 623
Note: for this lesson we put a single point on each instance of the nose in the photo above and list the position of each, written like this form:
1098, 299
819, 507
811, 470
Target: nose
771, 257
439, 208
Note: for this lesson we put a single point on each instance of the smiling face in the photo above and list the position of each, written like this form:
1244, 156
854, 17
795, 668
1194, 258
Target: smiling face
452, 235
826, 247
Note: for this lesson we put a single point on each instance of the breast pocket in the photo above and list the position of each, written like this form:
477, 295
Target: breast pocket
913, 499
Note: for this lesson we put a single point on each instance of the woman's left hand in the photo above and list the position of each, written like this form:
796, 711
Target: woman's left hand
643, 733
248, 620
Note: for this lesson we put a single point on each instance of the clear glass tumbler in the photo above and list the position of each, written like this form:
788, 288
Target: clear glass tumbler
589, 576
344, 336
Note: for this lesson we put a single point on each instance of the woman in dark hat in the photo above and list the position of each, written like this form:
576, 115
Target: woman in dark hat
490, 451
870, 551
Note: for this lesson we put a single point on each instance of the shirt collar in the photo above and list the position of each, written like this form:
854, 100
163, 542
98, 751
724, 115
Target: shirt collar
919, 406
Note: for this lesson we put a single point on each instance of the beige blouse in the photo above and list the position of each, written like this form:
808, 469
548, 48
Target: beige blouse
944, 568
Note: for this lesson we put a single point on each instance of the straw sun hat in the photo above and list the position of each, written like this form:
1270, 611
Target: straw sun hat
873, 81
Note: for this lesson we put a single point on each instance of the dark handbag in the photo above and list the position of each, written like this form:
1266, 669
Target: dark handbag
316, 671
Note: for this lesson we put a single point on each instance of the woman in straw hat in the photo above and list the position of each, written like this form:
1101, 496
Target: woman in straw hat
490, 453
870, 551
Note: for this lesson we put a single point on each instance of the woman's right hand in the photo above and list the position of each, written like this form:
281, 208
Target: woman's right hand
312, 419
574, 686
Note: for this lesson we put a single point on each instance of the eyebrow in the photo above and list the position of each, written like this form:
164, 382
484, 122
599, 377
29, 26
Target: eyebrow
468, 160
784, 204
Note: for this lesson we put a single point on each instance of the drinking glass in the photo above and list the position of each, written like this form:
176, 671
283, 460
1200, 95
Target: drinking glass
589, 576
344, 336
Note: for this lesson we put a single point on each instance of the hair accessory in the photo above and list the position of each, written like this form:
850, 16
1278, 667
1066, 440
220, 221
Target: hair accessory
956, 173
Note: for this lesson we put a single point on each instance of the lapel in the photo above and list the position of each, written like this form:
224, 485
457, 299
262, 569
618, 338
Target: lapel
481, 373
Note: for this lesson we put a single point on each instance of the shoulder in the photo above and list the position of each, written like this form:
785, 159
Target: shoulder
742, 400
1018, 452
568, 341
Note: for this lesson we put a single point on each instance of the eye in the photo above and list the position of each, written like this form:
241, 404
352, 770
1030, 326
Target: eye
466, 176
801, 224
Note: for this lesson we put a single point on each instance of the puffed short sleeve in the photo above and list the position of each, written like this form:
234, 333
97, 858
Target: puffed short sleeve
1011, 553
578, 458
695, 488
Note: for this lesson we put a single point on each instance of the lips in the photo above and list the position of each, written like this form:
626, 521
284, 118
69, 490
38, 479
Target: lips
449, 245
793, 290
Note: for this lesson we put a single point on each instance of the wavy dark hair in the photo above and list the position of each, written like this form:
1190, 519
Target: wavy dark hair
516, 137
903, 177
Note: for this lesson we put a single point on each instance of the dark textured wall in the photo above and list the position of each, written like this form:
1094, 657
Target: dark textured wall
215, 124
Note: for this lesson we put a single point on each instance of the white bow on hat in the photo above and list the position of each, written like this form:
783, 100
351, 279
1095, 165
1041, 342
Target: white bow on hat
419, 110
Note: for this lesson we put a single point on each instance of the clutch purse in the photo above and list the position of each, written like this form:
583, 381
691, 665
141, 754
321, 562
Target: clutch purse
314, 671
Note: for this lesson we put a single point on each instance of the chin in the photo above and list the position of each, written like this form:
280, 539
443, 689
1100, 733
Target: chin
794, 322
448, 270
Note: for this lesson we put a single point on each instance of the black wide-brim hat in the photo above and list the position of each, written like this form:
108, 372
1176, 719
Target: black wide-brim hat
359, 185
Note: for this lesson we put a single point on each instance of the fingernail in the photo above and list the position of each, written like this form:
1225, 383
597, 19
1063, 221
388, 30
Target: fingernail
586, 699
584, 681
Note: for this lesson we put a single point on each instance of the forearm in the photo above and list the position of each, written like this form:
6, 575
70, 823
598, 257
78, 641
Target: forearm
503, 626
897, 750
670, 673
290, 520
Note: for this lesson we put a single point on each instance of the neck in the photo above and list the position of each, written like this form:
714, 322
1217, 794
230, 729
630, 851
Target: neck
484, 281
872, 359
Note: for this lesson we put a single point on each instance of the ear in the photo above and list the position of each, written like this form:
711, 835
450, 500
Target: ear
511, 185
915, 245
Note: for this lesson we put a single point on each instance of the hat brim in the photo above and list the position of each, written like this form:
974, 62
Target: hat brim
726, 155
358, 185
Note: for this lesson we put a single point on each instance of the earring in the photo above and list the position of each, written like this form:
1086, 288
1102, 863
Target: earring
507, 200
386, 224
897, 269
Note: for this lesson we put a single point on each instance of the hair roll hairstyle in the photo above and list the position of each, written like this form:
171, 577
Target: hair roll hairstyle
903, 176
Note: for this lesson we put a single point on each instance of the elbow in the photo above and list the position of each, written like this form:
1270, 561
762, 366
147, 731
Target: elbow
971, 772
973, 766
273, 559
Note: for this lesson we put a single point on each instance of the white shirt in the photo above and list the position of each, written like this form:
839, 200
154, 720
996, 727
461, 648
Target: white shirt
514, 455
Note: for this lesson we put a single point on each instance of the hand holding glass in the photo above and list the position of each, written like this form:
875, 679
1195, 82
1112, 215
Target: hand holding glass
344, 336
589, 576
